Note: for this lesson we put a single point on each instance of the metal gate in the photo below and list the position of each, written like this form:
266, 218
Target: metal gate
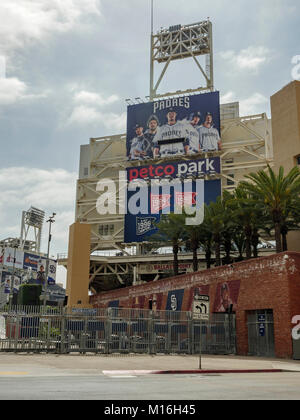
113, 330
261, 333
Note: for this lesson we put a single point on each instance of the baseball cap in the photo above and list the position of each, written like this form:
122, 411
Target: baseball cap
171, 110
137, 126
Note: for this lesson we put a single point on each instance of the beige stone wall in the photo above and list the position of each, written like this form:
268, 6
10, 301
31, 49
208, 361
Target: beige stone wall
285, 107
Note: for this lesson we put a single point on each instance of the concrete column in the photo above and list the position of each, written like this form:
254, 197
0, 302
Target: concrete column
79, 265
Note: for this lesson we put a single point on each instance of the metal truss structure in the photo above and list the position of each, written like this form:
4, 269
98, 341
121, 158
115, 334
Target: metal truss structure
247, 147
181, 42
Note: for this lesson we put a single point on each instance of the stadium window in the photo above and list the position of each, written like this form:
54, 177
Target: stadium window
85, 171
112, 229
230, 181
298, 160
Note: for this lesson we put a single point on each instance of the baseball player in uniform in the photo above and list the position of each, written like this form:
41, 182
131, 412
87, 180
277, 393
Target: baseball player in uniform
172, 130
149, 135
210, 140
194, 135
137, 150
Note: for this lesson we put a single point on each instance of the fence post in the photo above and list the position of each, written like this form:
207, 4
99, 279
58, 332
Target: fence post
151, 332
62, 335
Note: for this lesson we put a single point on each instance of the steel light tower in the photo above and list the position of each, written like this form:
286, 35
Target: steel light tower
32, 220
180, 42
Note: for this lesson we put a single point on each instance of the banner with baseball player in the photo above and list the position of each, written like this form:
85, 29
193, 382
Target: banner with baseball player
172, 127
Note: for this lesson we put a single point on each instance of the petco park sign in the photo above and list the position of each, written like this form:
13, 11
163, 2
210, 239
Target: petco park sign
191, 168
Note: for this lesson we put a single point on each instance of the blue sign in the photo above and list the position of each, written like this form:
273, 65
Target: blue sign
261, 318
174, 302
262, 330
147, 204
174, 126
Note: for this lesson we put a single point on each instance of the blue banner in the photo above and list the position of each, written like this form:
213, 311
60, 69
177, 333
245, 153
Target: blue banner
174, 126
174, 302
146, 205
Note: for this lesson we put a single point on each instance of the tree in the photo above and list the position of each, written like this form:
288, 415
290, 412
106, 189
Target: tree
170, 230
214, 220
276, 193
248, 216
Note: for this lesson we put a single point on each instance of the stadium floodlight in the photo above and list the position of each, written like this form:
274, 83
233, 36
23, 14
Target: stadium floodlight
32, 220
180, 42
35, 217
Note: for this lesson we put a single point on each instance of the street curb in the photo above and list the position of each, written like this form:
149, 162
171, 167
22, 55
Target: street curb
189, 372
203, 372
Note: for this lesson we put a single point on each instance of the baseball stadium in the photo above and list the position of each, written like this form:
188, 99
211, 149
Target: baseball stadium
184, 149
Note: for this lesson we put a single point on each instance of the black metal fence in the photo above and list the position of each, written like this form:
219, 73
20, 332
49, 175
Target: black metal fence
113, 330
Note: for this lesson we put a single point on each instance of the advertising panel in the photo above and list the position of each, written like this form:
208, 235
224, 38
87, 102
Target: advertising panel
174, 127
162, 189
174, 302
227, 295
7, 278
39, 264
8, 260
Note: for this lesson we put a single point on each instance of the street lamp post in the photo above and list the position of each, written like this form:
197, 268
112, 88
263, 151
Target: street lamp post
50, 221
12, 285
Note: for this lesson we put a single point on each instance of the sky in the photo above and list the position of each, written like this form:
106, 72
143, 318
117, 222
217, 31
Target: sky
67, 67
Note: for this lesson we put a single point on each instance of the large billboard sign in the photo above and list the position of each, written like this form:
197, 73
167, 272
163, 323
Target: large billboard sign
38, 264
20, 260
172, 127
166, 188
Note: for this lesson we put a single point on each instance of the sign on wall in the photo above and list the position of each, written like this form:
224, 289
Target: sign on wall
147, 202
227, 295
173, 127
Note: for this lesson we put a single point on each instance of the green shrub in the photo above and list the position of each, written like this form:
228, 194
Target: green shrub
29, 294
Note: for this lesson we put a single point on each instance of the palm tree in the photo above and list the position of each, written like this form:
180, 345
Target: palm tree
275, 193
170, 230
290, 220
248, 215
214, 220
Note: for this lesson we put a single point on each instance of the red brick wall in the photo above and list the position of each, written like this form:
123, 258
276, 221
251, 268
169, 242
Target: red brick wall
265, 283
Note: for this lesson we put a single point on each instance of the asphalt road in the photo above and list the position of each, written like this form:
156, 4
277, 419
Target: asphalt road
262, 386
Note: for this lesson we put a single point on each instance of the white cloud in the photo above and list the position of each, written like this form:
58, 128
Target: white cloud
254, 104
86, 115
92, 98
25, 21
51, 191
251, 58
13, 90
228, 97
88, 110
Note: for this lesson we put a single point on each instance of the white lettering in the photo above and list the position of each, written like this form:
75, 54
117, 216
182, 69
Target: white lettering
296, 69
296, 330
106, 203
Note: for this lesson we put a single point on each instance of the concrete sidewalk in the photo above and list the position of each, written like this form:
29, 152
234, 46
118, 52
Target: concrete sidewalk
74, 364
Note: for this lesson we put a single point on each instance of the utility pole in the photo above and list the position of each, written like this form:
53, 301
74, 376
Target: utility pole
12, 285
50, 221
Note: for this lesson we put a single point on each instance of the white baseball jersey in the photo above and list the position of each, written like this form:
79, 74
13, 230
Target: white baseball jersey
169, 132
209, 138
137, 144
194, 139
